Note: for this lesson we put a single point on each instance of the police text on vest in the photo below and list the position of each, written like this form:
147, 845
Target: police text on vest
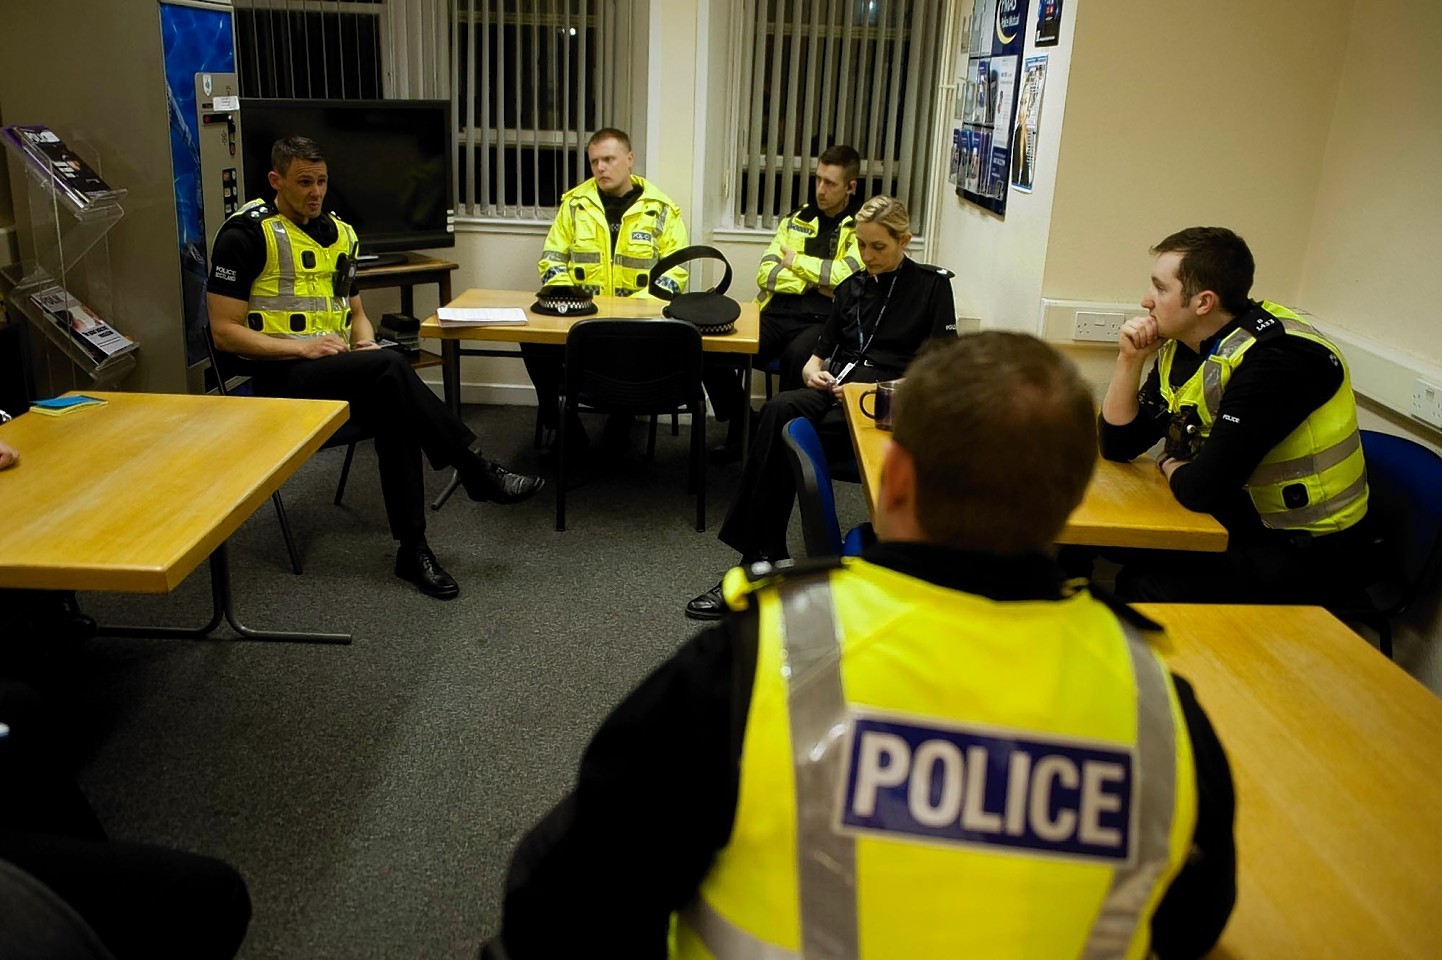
989, 787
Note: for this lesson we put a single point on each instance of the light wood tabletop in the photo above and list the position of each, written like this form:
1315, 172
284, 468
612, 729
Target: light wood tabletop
1127, 504
539, 328
133, 495
1337, 760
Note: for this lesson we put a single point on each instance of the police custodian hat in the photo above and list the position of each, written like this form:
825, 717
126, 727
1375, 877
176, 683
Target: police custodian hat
562, 300
709, 311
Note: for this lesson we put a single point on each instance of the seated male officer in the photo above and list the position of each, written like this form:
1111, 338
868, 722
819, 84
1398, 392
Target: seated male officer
279, 294
813, 251
607, 235
941, 749
1261, 427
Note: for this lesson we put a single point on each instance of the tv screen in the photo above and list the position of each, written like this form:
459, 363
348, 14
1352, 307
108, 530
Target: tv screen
389, 164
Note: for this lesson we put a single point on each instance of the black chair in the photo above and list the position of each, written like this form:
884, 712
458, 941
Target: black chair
639, 367
348, 436
814, 496
1405, 507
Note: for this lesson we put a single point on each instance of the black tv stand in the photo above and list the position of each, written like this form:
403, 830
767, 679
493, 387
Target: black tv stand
383, 260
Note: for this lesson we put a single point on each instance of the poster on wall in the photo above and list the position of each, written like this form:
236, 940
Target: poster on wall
1048, 23
1028, 116
996, 38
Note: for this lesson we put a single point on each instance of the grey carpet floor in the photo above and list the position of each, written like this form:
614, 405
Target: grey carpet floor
371, 794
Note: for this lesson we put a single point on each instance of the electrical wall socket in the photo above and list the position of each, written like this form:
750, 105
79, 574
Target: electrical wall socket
1095, 325
1427, 402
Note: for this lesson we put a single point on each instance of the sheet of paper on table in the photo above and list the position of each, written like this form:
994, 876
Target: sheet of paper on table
489, 315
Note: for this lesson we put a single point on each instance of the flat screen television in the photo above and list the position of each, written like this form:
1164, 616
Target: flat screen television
389, 164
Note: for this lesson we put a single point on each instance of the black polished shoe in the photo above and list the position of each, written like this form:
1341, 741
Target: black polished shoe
418, 565
496, 484
708, 606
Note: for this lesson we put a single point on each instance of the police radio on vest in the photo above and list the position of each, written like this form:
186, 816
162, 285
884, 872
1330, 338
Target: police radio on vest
987, 788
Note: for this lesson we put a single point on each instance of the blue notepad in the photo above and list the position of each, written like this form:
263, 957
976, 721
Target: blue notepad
59, 406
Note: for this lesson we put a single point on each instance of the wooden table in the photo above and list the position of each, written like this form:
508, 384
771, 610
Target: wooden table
1127, 504
742, 342
1337, 758
132, 496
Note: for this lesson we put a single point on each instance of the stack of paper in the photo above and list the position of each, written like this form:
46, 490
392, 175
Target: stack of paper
493, 316
60, 406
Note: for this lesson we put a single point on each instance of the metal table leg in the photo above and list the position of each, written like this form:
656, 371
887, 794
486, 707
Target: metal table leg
222, 606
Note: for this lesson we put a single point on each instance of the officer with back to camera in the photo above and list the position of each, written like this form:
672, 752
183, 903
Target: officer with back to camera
279, 295
940, 749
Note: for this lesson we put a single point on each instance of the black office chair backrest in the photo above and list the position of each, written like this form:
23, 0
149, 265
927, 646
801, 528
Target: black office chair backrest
640, 365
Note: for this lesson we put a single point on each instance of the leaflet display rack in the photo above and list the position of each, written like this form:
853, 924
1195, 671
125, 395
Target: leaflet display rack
68, 249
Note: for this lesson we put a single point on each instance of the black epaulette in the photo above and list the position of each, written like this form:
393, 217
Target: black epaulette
1261, 324
933, 268
259, 212
741, 582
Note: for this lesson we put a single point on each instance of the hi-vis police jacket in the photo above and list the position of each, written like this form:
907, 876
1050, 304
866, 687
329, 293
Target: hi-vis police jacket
930, 773
1315, 479
294, 296
578, 246
806, 272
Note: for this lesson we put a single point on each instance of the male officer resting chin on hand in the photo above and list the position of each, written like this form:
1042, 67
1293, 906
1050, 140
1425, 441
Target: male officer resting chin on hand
940, 749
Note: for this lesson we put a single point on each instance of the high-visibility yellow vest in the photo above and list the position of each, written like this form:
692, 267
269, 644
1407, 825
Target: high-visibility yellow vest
1315, 479
806, 272
929, 773
578, 246
294, 296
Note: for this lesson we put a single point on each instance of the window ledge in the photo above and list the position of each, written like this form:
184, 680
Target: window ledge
503, 225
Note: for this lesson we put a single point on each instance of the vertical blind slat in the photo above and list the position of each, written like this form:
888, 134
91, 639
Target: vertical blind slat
808, 120
789, 147
774, 149
758, 86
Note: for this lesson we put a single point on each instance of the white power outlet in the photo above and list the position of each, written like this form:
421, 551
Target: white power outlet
1098, 326
1427, 402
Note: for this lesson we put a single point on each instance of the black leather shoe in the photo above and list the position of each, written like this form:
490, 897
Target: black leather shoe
418, 565
496, 484
708, 606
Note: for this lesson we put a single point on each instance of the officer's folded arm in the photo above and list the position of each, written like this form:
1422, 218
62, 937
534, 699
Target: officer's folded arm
231, 335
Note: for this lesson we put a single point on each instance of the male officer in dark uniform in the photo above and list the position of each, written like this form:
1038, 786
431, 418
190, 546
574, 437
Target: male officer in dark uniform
279, 294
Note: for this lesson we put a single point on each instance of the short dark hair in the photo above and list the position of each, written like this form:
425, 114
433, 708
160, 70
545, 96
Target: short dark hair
609, 133
1216, 259
840, 155
287, 149
1003, 433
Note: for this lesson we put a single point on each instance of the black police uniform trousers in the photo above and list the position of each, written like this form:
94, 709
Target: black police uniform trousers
140, 900
387, 399
757, 521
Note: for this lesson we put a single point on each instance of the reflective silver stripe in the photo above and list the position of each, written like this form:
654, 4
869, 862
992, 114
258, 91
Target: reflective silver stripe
298, 304
1233, 342
636, 263
854, 263
661, 221
1312, 513
724, 939
770, 258
555, 256
1212, 387
1311, 465
577, 256
775, 273
816, 706
284, 259
1121, 910
825, 273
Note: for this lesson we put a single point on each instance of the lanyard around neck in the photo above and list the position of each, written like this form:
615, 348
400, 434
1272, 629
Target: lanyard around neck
861, 348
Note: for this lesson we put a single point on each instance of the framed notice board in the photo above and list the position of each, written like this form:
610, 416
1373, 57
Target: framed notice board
982, 142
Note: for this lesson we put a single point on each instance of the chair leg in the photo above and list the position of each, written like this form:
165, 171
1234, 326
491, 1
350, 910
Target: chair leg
536, 440
675, 424
285, 532
561, 464
1384, 637
651, 440
344, 474
698, 444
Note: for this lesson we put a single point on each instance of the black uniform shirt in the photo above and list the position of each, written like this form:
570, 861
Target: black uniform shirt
890, 315
656, 794
1277, 385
